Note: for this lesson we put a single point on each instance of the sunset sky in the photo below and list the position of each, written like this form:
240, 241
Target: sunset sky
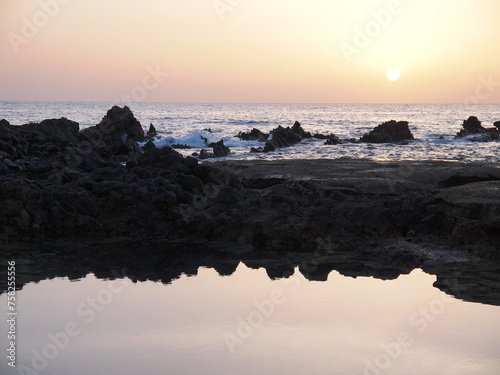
307, 51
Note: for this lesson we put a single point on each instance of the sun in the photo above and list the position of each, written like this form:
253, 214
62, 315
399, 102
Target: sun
393, 75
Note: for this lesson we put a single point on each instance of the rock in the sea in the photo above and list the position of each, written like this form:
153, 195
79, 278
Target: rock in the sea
204, 154
388, 132
218, 150
331, 139
277, 138
471, 126
152, 133
285, 137
253, 135
260, 149
297, 129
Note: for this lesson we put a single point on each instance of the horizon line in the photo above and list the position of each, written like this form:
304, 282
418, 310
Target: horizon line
217, 102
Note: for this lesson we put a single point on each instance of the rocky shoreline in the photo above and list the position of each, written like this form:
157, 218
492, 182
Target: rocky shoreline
58, 183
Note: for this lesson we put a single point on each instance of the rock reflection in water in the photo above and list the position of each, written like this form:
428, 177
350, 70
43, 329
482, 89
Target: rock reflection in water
164, 262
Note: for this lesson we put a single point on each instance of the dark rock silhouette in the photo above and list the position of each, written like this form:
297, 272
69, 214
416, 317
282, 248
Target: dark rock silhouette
283, 137
116, 135
55, 130
473, 126
497, 125
297, 129
152, 133
330, 139
204, 154
253, 135
120, 121
388, 132
219, 150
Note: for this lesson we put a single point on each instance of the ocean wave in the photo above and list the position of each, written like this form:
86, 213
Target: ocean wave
201, 139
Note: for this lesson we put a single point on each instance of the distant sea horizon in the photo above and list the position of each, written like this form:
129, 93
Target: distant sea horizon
236, 102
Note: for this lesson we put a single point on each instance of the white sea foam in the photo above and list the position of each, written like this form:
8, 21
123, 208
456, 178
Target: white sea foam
202, 138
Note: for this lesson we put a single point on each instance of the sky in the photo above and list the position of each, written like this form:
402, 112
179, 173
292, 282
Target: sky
293, 51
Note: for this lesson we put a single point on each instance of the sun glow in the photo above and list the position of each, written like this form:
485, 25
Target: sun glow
393, 75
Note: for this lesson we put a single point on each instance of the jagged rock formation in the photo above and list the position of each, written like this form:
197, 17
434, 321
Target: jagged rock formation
473, 126
388, 132
219, 150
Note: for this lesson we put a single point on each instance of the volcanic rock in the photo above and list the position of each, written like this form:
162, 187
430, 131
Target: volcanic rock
471, 126
388, 132
218, 150
297, 129
55, 130
117, 134
152, 133
253, 135
285, 137
331, 139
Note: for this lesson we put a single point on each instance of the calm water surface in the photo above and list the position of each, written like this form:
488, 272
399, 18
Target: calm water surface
247, 323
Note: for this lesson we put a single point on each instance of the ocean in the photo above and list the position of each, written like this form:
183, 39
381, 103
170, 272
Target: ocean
433, 125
